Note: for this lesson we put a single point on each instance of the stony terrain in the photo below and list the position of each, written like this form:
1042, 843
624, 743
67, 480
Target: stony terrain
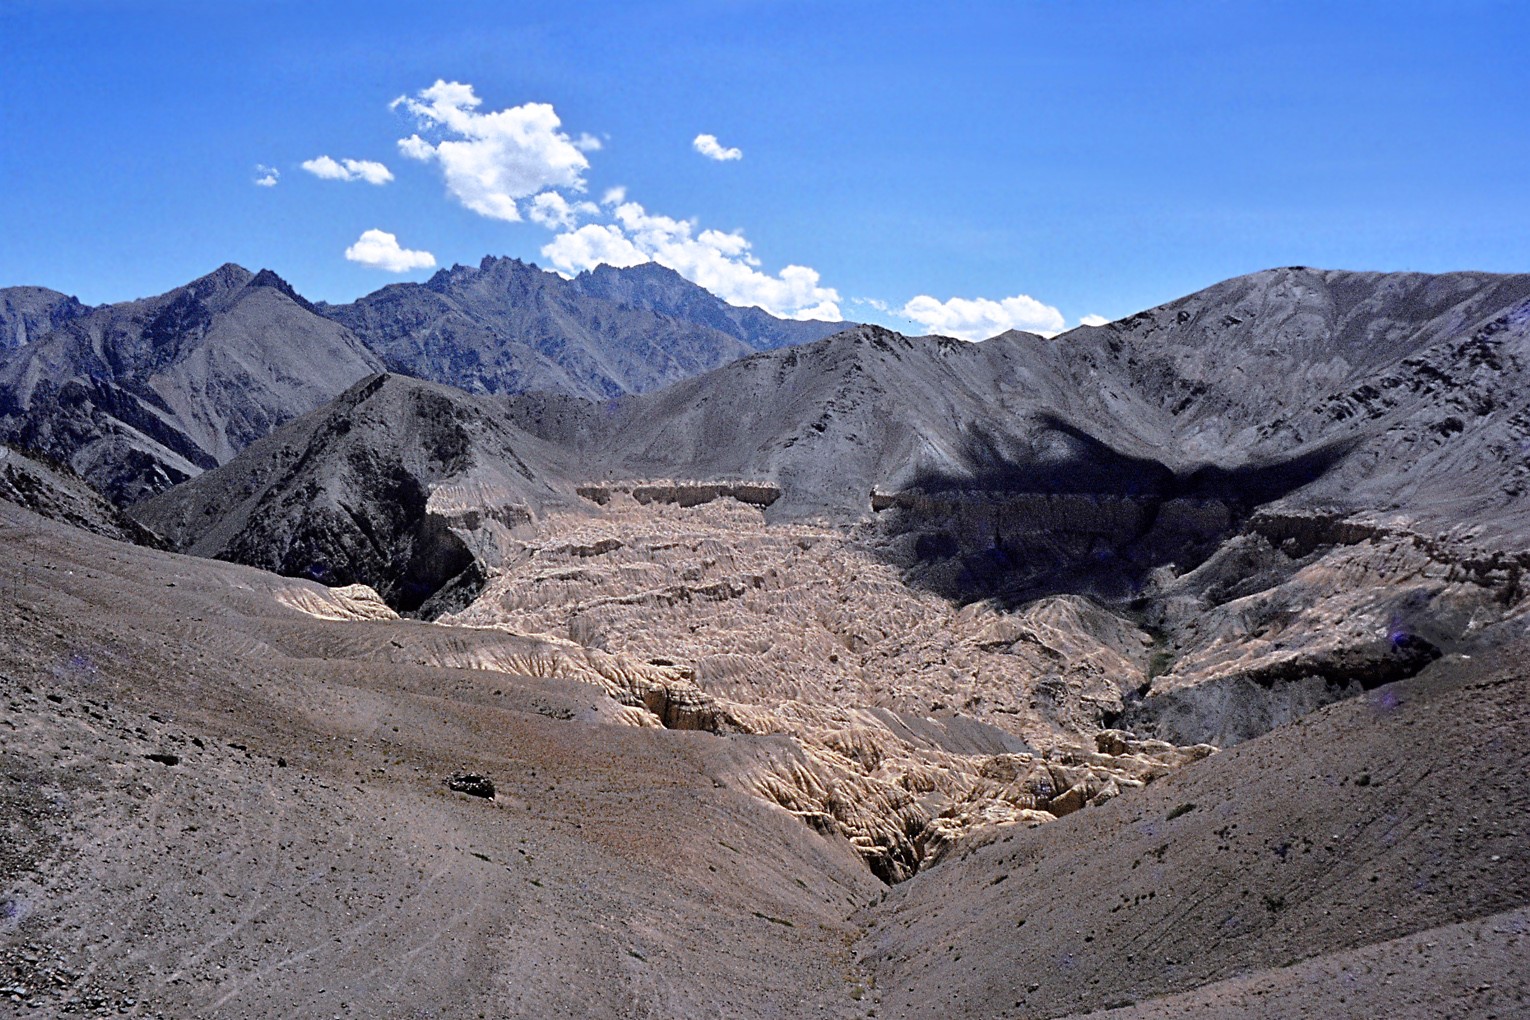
27, 313
1325, 870
973, 620
217, 802
58, 494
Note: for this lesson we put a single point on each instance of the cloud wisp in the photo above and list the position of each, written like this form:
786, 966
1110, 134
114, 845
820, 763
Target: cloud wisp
329, 169
981, 318
555, 212
491, 161
379, 249
266, 176
711, 148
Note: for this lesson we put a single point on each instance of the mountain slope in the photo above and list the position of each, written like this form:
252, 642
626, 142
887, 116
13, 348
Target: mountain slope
509, 327
662, 290
1362, 391
404, 485
140, 395
1364, 530
227, 795
27, 313
58, 494
1335, 517
1344, 831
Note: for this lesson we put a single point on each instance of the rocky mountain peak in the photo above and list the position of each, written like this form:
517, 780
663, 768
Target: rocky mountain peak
267, 278
649, 272
221, 282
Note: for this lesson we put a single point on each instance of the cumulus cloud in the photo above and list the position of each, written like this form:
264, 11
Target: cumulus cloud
491, 161
555, 212
518, 163
348, 170
380, 250
980, 318
592, 245
1093, 320
720, 261
266, 176
711, 148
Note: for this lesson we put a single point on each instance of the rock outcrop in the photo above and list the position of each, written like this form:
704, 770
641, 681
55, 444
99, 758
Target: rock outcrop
411, 488
57, 493
27, 313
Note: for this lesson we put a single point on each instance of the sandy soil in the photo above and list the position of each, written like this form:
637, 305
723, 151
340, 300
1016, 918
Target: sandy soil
1271, 877
303, 856
225, 794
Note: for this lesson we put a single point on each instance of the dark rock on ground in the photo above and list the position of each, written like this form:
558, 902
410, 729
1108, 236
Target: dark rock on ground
472, 784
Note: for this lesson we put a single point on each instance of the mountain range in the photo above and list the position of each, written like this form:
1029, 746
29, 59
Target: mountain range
595, 647
141, 395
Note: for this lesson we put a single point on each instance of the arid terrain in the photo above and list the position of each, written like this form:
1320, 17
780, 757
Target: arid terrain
1174, 667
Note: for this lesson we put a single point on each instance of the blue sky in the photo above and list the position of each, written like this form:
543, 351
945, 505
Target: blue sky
1090, 158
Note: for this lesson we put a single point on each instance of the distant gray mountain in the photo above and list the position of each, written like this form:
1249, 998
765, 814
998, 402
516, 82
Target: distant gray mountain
660, 289
140, 395
510, 327
27, 313
1412, 384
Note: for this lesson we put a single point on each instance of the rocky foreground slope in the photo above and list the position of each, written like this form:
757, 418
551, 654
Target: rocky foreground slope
230, 792
1368, 860
226, 793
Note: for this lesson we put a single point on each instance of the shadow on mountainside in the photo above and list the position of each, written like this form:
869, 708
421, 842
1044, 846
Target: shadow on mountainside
1083, 518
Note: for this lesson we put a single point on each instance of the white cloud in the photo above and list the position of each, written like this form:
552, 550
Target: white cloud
711, 148
719, 261
380, 250
348, 170
980, 318
266, 176
555, 212
592, 245
517, 162
871, 302
492, 160
1093, 320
